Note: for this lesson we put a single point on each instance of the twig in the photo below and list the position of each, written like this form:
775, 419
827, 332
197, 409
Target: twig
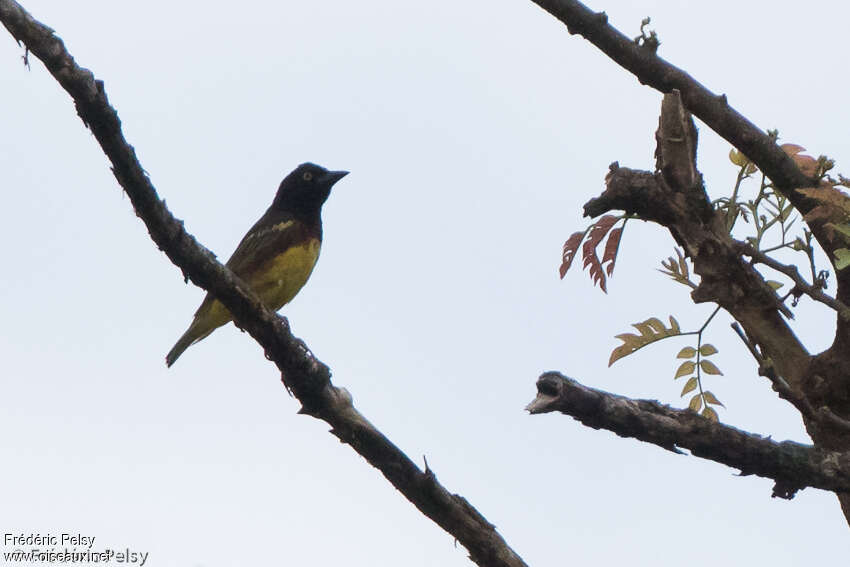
767, 370
813, 291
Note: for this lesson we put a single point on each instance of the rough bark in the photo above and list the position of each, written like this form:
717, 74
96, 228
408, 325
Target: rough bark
792, 466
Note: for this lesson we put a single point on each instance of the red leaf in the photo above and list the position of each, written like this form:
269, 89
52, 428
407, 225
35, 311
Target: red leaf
792, 149
600, 229
590, 259
570, 248
611, 248
807, 164
596, 233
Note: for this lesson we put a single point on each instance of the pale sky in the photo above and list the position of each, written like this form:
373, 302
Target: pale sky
474, 132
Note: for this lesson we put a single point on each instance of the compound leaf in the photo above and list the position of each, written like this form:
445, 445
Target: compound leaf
650, 330
595, 235
677, 269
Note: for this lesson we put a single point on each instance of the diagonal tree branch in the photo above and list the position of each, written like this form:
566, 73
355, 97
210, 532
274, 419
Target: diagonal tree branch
642, 61
792, 466
302, 373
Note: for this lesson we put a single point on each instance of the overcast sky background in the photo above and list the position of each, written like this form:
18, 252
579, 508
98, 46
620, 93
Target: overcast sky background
474, 131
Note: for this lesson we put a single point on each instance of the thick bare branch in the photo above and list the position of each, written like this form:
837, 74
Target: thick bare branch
792, 466
306, 376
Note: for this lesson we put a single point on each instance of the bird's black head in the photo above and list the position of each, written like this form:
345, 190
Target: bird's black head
306, 189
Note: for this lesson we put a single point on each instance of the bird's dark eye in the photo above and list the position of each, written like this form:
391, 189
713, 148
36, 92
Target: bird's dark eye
307, 176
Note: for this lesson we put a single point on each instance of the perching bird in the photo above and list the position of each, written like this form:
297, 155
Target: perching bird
277, 255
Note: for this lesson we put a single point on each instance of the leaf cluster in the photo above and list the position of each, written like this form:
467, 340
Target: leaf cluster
768, 215
677, 268
653, 330
702, 399
593, 235
650, 331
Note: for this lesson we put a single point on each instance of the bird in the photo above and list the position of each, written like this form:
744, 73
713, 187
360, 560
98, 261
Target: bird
277, 255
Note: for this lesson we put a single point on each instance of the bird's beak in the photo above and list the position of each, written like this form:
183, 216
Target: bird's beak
332, 177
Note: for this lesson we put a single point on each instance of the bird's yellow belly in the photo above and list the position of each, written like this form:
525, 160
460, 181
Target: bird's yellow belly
276, 282
283, 276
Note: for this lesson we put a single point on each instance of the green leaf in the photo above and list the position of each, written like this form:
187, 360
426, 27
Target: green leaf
709, 368
737, 158
842, 258
696, 403
842, 228
709, 413
650, 330
690, 386
711, 399
677, 269
707, 349
685, 369
774, 284
683, 265
687, 352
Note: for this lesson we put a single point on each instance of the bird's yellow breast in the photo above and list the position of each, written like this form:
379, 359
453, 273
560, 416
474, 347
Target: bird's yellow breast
280, 278
277, 281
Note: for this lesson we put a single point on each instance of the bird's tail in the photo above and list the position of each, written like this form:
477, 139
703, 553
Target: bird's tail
210, 316
182, 344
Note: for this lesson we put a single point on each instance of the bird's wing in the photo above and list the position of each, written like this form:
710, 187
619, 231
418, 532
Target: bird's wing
270, 236
274, 233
